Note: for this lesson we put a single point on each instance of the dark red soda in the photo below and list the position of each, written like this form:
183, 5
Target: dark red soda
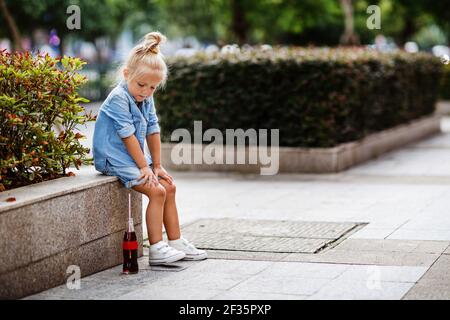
130, 246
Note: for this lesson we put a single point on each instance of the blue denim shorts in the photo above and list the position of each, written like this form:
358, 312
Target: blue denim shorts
129, 176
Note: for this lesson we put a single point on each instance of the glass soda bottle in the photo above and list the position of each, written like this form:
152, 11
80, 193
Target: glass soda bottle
130, 246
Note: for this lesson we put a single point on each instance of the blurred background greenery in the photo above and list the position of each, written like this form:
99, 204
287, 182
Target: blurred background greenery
109, 28
315, 22
314, 69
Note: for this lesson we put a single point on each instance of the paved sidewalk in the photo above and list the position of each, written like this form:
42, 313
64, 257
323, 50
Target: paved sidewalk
402, 253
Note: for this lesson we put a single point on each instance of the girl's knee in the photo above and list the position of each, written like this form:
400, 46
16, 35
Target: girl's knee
151, 192
170, 189
157, 192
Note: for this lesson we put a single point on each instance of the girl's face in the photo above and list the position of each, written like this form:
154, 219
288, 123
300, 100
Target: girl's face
141, 87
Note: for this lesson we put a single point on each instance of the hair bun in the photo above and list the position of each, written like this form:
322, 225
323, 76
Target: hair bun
152, 42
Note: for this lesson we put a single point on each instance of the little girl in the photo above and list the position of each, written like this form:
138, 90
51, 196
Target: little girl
125, 120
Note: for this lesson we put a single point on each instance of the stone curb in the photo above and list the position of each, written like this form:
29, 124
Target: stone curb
318, 160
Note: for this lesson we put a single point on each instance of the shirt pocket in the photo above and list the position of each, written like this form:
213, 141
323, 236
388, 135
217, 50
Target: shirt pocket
140, 123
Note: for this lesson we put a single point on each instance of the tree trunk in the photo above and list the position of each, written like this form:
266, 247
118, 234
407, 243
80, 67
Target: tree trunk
12, 26
408, 30
239, 23
349, 37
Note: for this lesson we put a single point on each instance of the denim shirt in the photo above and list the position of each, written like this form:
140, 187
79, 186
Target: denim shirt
119, 117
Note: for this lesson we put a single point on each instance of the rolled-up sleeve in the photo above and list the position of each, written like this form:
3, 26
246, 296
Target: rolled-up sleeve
119, 111
152, 125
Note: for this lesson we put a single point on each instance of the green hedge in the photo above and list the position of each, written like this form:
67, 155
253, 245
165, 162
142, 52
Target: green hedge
316, 97
445, 83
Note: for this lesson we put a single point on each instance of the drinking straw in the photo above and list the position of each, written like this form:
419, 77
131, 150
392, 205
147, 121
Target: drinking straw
129, 206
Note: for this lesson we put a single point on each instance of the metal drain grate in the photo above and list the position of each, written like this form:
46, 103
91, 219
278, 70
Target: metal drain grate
265, 235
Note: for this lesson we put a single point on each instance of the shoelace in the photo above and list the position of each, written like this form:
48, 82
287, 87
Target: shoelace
188, 244
165, 248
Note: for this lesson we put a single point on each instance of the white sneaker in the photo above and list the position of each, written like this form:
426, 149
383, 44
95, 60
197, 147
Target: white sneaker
162, 253
192, 253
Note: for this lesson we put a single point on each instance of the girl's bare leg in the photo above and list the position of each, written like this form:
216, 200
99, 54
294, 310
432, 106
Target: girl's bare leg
155, 210
170, 215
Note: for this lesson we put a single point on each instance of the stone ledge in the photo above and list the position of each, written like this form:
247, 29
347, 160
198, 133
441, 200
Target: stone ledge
52, 219
85, 178
51, 272
322, 160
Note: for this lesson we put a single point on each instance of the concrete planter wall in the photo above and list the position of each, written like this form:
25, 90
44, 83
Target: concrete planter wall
320, 160
55, 224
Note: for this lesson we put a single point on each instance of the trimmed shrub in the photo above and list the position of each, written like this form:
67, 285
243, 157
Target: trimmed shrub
39, 113
445, 83
317, 97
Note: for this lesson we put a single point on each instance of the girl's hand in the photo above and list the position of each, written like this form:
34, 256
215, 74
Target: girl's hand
161, 172
149, 177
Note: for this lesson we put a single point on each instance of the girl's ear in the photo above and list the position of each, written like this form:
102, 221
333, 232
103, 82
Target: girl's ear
126, 72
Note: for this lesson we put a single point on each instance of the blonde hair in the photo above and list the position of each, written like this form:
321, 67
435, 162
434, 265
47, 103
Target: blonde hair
147, 53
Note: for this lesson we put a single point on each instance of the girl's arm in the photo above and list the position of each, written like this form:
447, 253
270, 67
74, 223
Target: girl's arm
154, 145
135, 151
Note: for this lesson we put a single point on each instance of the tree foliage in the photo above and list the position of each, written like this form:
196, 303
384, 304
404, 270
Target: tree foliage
318, 22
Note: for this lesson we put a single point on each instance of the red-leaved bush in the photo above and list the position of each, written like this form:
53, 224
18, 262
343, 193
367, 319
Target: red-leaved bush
39, 115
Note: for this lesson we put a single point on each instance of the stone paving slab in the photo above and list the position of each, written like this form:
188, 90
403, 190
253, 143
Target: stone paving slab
383, 273
423, 234
440, 269
433, 278
361, 290
110, 283
292, 285
240, 279
239, 295
370, 232
388, 245
88, 290
429, 291
202, 280
354, 251
231, 266
170, 293
304, 270
246, 255
368, 257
